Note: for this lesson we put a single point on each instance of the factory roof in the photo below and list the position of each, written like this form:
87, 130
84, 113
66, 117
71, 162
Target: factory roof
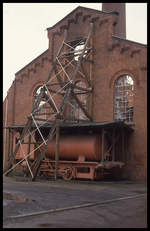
80, 8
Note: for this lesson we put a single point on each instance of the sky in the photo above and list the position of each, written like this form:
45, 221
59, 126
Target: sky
25, 34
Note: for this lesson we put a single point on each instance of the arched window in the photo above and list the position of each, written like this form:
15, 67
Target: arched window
123, 98
76, 112
41, 113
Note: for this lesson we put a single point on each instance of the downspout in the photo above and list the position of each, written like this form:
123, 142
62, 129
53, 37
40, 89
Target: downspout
5, 131
14, 103
13, 117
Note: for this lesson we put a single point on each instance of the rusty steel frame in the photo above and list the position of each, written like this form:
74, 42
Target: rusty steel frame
49, 99
116, 138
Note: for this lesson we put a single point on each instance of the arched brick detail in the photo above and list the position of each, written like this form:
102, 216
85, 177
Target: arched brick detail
123, 72
38, 84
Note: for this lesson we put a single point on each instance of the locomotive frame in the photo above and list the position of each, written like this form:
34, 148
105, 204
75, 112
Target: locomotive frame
116, 133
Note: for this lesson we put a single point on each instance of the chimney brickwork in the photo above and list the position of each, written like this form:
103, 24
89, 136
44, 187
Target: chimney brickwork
120, 28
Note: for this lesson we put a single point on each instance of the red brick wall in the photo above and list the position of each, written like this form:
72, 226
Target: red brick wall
109, 67
112, 57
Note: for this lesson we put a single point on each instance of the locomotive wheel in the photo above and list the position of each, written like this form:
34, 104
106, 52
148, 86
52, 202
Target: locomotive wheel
68, 174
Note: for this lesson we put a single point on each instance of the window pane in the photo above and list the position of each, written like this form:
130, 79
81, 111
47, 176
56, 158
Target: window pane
123, 98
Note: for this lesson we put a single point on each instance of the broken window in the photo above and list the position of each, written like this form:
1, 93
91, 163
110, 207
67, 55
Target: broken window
123, 98
76, 113
78, 46
78, 51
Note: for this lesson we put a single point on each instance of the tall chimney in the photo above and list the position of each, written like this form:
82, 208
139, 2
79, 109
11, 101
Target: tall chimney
120, 29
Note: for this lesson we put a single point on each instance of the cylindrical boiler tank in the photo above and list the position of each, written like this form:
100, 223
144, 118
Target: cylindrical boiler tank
71, 147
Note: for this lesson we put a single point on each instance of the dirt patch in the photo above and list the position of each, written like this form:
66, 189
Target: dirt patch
20, 198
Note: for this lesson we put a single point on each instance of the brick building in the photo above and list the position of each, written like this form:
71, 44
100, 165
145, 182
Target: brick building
119, 78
